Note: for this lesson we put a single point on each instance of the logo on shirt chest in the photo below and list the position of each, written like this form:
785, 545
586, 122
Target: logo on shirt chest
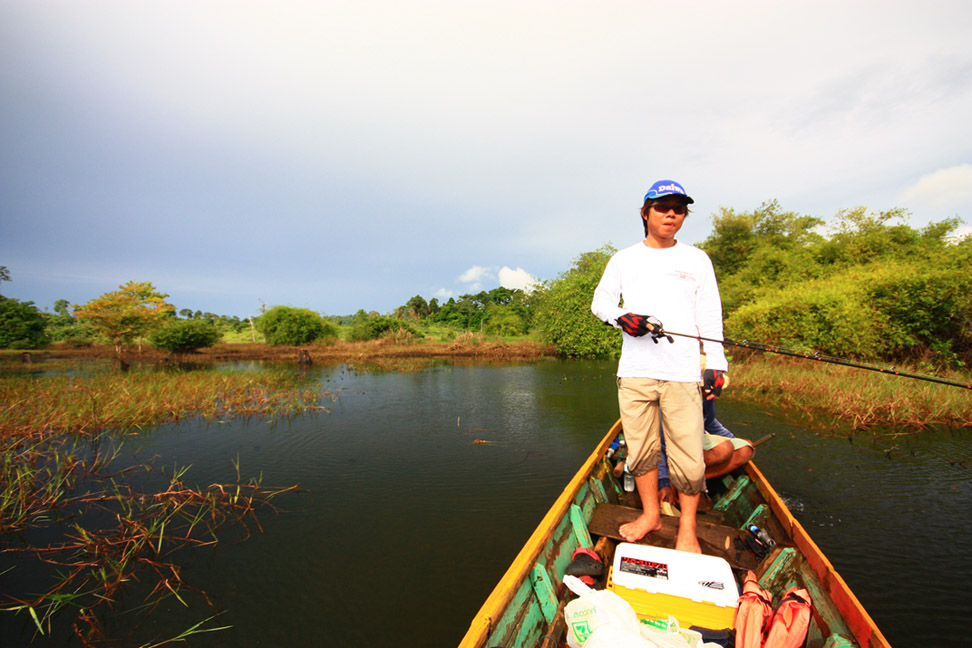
680, 274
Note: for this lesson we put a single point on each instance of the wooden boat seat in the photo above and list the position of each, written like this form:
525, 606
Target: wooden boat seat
715, 539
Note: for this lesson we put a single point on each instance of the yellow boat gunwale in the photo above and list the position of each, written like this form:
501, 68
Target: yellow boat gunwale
858, 621
856, 617
499, 598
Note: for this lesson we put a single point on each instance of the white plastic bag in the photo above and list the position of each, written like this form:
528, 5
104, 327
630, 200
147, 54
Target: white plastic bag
667, 634
601, 618
615, 636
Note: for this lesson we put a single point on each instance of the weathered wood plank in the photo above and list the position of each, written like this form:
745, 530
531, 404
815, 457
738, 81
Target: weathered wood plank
716, 540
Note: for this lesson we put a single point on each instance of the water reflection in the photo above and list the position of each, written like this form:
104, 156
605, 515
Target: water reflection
405, 523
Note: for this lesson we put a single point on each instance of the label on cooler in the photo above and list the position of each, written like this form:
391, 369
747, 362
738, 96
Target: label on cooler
640, 567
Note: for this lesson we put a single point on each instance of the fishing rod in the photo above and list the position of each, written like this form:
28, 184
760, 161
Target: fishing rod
769, 348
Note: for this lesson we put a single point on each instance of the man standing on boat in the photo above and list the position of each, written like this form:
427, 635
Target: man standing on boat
660, 280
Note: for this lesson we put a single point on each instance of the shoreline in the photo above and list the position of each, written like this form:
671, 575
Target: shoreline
823, 395
471, 346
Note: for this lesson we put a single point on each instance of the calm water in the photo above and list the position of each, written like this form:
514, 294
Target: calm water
406, 523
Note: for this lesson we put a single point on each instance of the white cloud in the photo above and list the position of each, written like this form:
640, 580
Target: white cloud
475, 276
518, 279
144, 118
443, 294
946, 188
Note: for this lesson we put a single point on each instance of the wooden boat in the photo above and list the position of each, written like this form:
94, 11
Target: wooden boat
525, 609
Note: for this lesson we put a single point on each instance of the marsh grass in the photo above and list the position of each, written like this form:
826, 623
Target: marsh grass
69, 510
52, 405
855, 398
112, 535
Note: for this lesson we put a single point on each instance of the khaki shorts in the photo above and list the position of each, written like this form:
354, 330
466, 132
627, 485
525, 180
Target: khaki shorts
639, 400
710, 441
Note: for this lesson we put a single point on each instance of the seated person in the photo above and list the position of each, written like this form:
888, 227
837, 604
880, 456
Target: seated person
722, 452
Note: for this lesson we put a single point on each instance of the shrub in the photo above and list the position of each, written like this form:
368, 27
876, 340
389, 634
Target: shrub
285, 325
22, 326
183, 336
504, 321
832, 316
928, 306
372, 328
563, 312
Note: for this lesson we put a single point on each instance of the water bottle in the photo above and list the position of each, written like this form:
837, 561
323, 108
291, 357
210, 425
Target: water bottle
761, 535
629, 482
613, 449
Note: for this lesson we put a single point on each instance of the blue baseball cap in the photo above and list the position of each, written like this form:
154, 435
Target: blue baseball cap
667, 188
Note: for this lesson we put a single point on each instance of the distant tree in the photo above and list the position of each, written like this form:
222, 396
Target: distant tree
184, 336
285, 325
373, 327
504, 320
502, 296
4, 274
416, 308
451, 314
563, 312
186, 313
61, 307
127, 314
22, 325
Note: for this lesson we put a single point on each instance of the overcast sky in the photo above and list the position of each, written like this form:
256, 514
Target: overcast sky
347, 155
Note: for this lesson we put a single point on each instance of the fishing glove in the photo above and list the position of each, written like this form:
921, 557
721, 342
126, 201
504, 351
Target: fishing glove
712, 381
633, 324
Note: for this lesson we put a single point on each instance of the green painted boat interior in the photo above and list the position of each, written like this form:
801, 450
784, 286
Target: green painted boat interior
532, 614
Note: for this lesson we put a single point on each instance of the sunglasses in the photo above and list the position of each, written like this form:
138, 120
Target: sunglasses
678, 208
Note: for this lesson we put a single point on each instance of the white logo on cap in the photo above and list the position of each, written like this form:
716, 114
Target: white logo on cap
671, 187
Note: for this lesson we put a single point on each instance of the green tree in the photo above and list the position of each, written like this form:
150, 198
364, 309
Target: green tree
737, 236
416, 308
22, 325
64, 328
285, 325
504, 320
184, 336
372, 327
126, 315
875, 288
451, 314
563, 310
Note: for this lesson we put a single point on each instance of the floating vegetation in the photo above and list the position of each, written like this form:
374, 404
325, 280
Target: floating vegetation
106, 534
70, 507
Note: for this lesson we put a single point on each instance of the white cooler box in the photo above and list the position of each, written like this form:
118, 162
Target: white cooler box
695, 589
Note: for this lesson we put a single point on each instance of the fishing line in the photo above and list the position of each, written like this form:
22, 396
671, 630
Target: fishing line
769, 348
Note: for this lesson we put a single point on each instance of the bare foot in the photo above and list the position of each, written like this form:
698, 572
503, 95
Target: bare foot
634, 531
686, 540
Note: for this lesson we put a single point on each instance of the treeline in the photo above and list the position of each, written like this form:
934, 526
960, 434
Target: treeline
502, 311
137, 313
871, 287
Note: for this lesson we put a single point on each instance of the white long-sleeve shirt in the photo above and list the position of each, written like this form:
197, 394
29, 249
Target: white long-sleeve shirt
678, 286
